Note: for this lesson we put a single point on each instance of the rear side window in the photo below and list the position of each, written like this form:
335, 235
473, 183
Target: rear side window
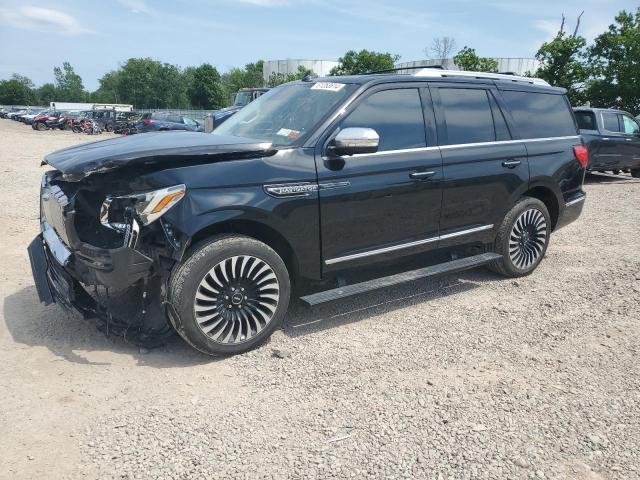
396, 115
586, 120
540, 115
610, 122
468, 115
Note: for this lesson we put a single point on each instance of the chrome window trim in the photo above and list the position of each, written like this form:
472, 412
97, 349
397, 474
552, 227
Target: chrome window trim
510, 142
459, 145
393, 248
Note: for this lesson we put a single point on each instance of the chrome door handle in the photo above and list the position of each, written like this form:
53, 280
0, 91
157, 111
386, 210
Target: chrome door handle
511, 163
422, 175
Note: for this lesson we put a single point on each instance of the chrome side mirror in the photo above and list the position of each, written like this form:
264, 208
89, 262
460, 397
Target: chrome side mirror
351, 141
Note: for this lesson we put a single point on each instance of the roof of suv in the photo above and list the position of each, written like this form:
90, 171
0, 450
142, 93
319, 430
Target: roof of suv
438, 75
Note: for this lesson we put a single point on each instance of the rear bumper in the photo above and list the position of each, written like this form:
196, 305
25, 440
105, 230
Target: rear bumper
572, 210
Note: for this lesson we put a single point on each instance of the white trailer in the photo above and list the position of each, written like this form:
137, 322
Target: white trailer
71, 106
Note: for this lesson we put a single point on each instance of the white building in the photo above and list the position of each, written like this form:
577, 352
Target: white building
319, 67
518, 66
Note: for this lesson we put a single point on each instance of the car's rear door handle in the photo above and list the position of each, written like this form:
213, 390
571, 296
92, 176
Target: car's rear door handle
422, 175
511, 163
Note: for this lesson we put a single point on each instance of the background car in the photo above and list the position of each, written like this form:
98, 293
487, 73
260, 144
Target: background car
160, 122
241, 99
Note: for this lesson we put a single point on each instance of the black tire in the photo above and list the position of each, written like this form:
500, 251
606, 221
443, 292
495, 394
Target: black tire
523, 238
194, 277
108, 128
615, 172
40, 126
635, 173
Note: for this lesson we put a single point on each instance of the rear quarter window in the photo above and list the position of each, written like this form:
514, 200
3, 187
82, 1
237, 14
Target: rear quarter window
540, 115
586, 120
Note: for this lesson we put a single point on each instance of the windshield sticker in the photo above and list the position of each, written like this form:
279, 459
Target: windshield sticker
333, 87
287, 132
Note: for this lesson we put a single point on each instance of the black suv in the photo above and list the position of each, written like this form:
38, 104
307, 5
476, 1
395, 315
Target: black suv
613, 139
205, 234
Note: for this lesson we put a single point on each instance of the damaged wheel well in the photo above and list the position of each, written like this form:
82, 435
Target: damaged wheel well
255, 230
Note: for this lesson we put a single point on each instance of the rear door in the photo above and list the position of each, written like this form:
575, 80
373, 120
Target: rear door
385, 204
482, 167
612, 146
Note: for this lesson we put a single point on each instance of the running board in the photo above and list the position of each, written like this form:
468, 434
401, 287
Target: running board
452, 266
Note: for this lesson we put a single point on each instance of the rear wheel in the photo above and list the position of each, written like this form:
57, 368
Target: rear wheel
635, 173
230, 295
523, 238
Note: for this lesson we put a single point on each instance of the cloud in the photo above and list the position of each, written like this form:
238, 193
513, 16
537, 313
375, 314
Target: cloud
549, 27
136, 6
42, 19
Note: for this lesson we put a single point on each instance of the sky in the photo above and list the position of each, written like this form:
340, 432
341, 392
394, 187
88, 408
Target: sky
97, 36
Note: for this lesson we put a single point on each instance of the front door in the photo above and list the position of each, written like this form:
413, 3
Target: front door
385, 204
631, 134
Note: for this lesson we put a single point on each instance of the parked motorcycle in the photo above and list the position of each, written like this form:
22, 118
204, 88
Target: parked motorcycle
85, 125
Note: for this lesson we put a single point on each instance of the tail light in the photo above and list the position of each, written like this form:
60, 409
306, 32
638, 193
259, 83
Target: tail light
582, 154
147, 121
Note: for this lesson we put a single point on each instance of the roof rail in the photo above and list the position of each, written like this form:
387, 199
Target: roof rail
433, 72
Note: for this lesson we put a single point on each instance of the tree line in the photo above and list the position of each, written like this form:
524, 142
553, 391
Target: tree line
605, 73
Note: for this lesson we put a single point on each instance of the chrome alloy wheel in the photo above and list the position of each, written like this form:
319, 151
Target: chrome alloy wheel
236, 299
528, 238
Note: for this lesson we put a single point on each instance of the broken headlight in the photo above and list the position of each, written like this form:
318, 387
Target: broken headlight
146, 207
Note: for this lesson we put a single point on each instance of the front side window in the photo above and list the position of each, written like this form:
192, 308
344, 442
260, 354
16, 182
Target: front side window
468, 116
540, 115
630, 125
610, 122
190, 122
396, 116
287, 114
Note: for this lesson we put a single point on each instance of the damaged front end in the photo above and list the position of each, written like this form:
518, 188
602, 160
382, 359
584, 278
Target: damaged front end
105, 250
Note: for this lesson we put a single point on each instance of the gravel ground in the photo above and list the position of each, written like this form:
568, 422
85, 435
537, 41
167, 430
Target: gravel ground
468, 376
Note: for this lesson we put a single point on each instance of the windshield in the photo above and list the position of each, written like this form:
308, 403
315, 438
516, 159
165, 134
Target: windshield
288, 113
242, 99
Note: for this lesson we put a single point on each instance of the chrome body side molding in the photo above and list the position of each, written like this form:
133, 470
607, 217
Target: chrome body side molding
393, 248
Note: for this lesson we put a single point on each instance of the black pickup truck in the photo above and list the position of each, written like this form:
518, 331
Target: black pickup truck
613, 139
210, 235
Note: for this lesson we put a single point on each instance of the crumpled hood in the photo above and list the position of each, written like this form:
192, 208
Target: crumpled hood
153, 148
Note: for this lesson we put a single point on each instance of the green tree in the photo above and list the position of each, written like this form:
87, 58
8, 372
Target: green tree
16, 91
248, 77
205, 88
108, 91
47, 93
146, 83
353, 63
69, 84
467, 59
615, 61
279, 78
563, 62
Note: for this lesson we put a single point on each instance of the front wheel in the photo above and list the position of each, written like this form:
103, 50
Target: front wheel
229, 295
635, 173
523, 238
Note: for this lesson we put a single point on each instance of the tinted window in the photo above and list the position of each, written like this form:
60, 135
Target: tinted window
610, 122
396, 115
502, 132
629, 124
586, 120
468, 115
540, 115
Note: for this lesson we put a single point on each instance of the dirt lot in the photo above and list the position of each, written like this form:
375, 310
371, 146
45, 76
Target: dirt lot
469, 376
